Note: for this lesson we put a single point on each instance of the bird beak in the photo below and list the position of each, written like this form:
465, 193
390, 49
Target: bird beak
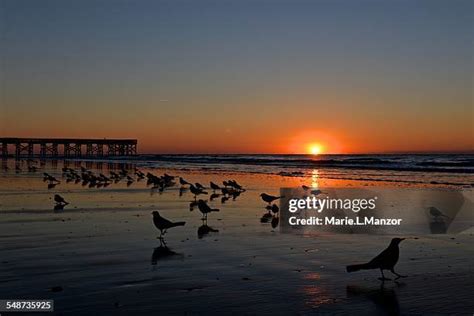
402, 238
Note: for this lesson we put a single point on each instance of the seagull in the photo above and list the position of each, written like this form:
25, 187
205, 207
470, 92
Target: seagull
59, 199
269, 198
235, 185
163, 224
183, 182
206, 209
168, 177
196, 191
386, 260
50, 178
214, 186
199, 186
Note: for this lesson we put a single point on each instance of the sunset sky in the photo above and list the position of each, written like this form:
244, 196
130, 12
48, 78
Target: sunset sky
241, 76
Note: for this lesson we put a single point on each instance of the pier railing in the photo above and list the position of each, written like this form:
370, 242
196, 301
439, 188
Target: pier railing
66, 147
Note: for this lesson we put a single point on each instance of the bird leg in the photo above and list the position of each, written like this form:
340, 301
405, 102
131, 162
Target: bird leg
398, 275
383, 278
163, 242
162, 232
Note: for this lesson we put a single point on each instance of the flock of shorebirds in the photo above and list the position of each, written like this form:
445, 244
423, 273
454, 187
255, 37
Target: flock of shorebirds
229, 190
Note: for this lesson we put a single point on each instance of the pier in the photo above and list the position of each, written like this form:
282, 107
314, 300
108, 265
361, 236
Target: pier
66, 147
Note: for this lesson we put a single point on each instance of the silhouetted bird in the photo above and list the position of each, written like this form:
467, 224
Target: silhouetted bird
199, 186
206, 209
59, 199
183, 182
104, 178
235, 185
214, 186
235, 194
50, 178
436, 213
163, 224
196, 191
139, 174
386, 260
168, 177
269, 198
305, 187
226, 191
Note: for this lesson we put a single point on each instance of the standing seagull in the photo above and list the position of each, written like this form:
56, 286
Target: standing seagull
199, 186
386, 260
183, 182
163, 224
214, 186
59, 199
269, 198
196, 191
206, 209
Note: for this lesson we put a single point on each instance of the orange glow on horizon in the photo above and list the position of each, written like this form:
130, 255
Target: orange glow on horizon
315, 149
314, 142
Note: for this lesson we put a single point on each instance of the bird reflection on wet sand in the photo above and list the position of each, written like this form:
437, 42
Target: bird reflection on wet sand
160, 253
52, 185
59, 207
439, 222
385, 299
274, 218
204, 230
182, 190
214, 196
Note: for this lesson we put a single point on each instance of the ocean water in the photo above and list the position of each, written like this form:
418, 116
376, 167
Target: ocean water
447, 169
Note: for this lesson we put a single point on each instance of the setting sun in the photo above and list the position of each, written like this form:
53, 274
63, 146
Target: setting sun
315, 149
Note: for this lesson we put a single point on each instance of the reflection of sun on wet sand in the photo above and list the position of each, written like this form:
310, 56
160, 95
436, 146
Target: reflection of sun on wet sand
97, 249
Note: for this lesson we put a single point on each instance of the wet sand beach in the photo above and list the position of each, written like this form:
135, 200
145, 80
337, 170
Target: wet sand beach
100, 254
